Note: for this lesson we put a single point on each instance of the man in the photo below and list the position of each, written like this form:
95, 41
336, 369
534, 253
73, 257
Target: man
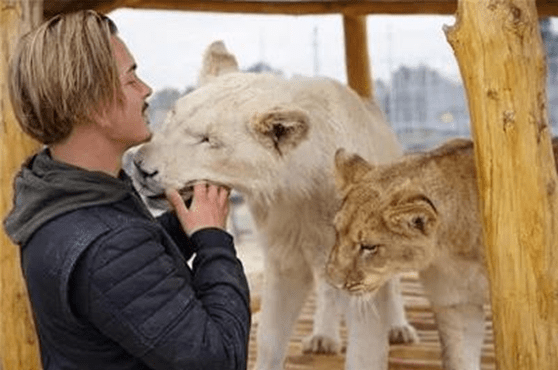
109, 284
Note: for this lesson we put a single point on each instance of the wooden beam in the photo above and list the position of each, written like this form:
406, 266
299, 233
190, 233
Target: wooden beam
502, 61
304, 7
356, 55
18, 340
443, 7
547, 8
264, 7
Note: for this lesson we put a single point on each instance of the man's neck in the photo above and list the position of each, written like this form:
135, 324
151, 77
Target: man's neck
88, 149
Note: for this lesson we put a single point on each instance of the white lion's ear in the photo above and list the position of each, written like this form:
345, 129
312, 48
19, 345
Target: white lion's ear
414, 214
349, 168
280, 129
217, 61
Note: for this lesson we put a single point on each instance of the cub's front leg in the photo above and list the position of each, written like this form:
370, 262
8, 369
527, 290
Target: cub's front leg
461, 330
367, 326
458, 290
400, 332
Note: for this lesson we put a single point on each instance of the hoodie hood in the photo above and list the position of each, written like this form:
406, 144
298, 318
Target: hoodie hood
46, 188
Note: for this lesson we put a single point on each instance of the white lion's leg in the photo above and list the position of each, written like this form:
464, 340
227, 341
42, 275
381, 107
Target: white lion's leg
283, 296
367, 347
461, 329
325, 335
400, 329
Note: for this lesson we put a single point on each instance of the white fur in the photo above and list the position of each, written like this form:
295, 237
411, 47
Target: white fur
291, 196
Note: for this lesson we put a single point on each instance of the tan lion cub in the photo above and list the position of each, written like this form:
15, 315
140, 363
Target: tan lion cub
417, 214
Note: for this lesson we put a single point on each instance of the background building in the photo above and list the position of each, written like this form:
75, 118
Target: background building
423, 107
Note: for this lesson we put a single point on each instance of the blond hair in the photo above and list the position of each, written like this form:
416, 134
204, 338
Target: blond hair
61, 73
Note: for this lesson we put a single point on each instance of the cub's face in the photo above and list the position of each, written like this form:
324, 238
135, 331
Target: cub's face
382, 229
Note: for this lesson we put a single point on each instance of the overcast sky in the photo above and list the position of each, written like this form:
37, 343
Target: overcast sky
168, 45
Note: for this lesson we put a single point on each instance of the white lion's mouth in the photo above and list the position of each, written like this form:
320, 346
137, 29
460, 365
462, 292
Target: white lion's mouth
186, 192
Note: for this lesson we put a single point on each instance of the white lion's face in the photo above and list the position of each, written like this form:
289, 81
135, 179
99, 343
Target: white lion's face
238, 131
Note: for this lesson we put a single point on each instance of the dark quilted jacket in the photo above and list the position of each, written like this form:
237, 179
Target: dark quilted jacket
110, 285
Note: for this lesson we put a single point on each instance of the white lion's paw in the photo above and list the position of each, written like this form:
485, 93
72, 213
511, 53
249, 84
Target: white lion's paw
320, 344
403, 334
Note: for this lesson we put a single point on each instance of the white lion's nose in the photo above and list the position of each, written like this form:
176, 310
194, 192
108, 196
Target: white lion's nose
143, 173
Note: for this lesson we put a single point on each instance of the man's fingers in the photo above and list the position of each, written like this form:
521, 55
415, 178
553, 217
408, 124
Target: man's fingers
176, 201
223, 195
200, 190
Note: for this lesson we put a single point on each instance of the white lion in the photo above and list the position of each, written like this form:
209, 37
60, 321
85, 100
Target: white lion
274, 140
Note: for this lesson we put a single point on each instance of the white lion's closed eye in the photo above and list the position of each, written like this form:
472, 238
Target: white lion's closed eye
210, 140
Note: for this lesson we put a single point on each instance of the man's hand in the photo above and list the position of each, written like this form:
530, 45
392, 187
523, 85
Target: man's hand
209, 208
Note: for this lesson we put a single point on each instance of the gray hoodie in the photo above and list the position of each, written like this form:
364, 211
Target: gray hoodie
45, 189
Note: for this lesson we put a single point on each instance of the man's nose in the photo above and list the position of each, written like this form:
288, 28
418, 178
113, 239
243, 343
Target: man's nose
147, 89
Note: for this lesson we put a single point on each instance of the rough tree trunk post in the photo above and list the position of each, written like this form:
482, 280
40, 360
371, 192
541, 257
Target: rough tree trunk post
356, 55
500, 53
18, 340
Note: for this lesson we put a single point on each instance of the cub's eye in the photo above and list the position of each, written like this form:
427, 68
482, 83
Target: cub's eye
370, 248
204, 139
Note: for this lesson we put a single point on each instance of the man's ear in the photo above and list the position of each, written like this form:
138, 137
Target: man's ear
280, 128
98, 115
217, 61
349, 168
414, 214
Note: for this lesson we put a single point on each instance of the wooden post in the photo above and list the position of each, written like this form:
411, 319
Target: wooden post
356, 55
500, 54
18, 339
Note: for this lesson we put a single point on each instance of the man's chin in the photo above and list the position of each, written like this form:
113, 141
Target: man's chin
140, 140
147, 137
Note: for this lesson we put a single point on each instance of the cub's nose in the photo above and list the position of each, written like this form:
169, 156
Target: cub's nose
143, 173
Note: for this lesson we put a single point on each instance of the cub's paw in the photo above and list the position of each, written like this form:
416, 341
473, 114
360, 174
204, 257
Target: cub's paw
403, 334
320, 344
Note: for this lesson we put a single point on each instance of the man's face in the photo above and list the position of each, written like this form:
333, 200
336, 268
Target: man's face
126, 121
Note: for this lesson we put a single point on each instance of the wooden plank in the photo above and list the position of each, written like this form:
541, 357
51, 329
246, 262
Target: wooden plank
18, 340
447, 7
304, 7
426, 355
357, 61
264, 7
502, 61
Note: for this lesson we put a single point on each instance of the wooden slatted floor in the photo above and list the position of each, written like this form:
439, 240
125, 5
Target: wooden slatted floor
423, 356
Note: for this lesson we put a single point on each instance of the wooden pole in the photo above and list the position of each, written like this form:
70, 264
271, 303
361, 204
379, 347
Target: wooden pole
500, 54
356, 55
18, 340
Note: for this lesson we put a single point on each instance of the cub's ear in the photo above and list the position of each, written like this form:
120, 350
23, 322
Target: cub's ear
280, 128
217, 61
349, 168
414, 215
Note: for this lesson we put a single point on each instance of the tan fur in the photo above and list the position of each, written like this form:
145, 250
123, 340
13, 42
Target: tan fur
419, 213
381, 202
